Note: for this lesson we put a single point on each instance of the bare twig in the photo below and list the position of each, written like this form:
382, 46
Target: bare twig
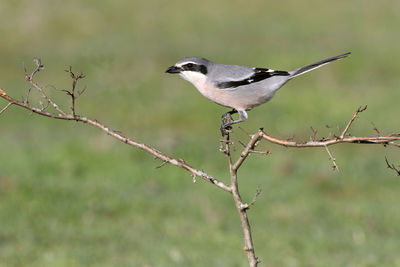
392, 167
314, 136
335, 166
43, 107
6, 107
360, 109
376, 129
258, 192
72, 94
30, 77
266, 153
246, 132
384, 140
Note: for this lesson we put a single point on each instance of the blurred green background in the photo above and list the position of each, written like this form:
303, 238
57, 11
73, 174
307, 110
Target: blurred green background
72, 196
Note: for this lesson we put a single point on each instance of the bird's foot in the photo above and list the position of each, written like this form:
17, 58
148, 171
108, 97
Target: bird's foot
225, 130
226, 123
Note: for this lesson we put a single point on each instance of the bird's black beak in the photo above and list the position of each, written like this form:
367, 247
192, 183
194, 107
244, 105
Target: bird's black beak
173, 69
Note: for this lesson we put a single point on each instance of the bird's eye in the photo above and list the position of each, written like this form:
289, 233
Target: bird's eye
189, 65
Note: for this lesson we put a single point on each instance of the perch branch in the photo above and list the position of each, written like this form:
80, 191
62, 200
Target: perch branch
247, 150
240, 206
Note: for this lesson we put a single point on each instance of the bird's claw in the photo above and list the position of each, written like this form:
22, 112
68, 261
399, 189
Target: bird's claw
225, 129
226, 123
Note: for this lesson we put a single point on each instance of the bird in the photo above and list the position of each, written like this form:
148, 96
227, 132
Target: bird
238, 87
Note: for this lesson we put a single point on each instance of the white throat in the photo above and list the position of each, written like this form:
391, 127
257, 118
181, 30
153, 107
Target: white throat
196, 78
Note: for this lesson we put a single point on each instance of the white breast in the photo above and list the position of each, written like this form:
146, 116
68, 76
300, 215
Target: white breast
238, 98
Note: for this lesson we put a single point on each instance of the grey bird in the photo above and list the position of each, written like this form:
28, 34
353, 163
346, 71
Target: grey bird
238, 87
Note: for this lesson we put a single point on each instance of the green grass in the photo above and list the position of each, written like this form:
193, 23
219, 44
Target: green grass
73, 196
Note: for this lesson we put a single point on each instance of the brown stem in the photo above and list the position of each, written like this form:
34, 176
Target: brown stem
384, 140
335, 166
147, 148
5, 108
240, 206
360, 109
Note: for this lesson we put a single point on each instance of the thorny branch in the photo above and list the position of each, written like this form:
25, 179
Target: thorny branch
225, 145
30, 77
79, 118
240, 206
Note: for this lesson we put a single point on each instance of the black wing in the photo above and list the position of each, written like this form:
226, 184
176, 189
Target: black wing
259, 75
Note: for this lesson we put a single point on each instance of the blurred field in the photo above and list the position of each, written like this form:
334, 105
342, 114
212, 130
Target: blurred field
72, 196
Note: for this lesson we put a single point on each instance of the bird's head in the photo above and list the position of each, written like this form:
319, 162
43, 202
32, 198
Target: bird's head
192, 69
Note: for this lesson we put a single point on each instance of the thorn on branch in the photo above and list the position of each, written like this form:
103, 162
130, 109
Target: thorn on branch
240, 142
162, 164
376, 129
246, 132
392, 167
290, 138
314, 136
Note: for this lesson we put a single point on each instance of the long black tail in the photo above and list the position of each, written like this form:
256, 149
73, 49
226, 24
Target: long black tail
315, 65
